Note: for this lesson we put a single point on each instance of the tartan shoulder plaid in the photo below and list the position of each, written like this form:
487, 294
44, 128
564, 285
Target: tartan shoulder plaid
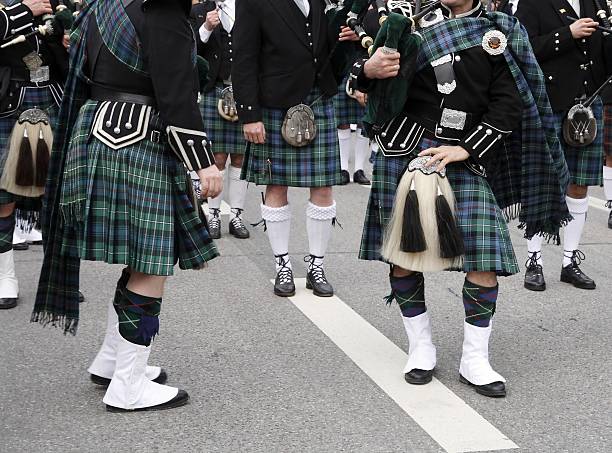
532, 180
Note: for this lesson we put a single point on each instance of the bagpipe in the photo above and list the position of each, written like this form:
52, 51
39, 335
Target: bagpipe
604, 14
53, 25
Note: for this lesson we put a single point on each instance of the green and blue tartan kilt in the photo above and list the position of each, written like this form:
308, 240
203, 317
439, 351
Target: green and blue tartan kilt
35, 97
278, 163
585, 164
488, 247
132, 206
225, 136
347, 109
607, 129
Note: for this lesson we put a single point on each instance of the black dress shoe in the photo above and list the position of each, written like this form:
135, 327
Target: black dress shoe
214, 224
418, 377
346, 178
284, 286
179, 400
495, 389
534, 276
360, 178
316, 280
21, 246
236, 226
573, 274
99, 380
8, 302
81, 297
610, 221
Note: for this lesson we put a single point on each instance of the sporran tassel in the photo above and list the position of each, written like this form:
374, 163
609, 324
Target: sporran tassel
451, 239
413, 237
42, 160
24, 173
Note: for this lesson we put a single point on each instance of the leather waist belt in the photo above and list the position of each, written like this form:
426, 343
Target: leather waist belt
104, 94
443, 123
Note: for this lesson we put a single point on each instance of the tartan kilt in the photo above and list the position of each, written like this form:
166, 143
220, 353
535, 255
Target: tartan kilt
607, 129
278, 163
132, 206
347, 109
488, 247
225, 136
39, 97
585, 164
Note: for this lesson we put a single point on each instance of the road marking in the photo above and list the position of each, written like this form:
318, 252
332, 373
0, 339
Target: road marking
225, 208
442, 414
598, 204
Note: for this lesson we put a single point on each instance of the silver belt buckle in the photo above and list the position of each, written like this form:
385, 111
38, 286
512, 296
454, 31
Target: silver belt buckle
453, 119
39, 75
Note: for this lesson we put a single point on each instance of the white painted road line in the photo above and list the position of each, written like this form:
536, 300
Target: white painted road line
598, 204
225, 208
442, 414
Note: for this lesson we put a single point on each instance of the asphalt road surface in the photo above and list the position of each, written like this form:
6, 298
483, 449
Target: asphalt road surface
267, 374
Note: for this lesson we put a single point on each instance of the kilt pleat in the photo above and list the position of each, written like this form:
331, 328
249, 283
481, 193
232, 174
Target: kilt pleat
488, 247
35, 97
278, 163
131, 206
585, 164
347, 109
225, 136
607, 129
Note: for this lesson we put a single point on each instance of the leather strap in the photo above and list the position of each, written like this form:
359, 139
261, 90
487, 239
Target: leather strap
99, 93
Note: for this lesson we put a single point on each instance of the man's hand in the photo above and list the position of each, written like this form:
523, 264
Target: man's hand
382, 65
362, 98
211, 181
255, 132
583, 28
66, 41
38, 7
212, 20
346, 34
444, 155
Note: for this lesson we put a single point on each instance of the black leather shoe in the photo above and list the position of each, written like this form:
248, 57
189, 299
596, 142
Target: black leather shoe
179, 400
236, 226
360, 178
346, 178
284, 286
418, 377
573, 274
8, 302
610, 221
316, 280
81, 297
21, 246
534, 276
495, 389
214, 224
99, 380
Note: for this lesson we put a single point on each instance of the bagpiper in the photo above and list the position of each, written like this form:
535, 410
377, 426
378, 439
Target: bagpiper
576, 59
118, 190
467, 141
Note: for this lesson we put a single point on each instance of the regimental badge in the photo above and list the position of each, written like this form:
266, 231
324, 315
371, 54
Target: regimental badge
494, 42
32, 61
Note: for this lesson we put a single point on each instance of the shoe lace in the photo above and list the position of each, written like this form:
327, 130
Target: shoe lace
285, 274
532, 261
314, 269
215, 219
237, 221
577, 258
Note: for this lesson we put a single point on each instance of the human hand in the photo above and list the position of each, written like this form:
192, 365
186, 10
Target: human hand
384, 64
346, 34
444, 155
211, 181
362, 98
39, 7
212, 20
583, 28
255, 132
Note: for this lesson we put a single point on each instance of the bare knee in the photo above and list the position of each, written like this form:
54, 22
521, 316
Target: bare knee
486, 279
576, 191
220, 160
236, 160
276, 196
321, 196
400, 272
7, 209
146, 285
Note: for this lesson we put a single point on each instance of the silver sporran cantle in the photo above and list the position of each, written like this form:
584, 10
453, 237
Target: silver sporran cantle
227, 105
580, 126
299, 128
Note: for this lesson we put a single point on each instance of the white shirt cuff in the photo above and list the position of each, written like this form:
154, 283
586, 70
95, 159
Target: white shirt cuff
204, 34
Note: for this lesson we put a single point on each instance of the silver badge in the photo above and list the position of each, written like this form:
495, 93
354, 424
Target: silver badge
41, 74
453, 119
421, 163
494, 42
32, 61
34, 116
